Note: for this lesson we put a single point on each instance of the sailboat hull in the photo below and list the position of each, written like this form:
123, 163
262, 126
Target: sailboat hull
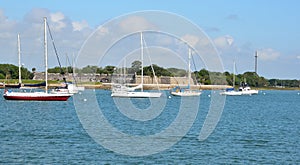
36, 96
136, 94
12, 85
231, 93
186, 93
238, 93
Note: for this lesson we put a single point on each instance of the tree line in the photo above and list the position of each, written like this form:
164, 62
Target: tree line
203, 76
9, 71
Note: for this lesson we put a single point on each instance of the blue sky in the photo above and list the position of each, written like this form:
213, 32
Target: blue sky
271, 27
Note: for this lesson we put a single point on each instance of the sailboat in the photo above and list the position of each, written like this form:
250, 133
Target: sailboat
20, 84
231, 91
244, 89
69, 87
19, 59
124, 91
74, 88
179, 91
38, 96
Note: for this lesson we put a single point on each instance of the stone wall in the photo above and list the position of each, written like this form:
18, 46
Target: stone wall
69, 77
104, 78
164, 80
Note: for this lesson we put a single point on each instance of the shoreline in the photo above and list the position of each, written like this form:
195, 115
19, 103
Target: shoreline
170, 86
107, 86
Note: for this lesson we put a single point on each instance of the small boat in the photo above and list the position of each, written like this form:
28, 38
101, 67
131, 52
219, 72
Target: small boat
38, 96
74, 87
68, 88
231, 92
244, 89
180, 91
186, 91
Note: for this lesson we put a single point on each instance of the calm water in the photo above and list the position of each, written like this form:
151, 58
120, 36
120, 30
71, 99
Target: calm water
262, 129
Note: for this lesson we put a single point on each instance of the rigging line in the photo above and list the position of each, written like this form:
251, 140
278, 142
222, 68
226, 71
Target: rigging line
194, 67
194, 61
55, 50
148, 53
236, 69
68, 60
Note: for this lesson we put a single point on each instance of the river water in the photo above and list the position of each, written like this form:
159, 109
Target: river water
260, 129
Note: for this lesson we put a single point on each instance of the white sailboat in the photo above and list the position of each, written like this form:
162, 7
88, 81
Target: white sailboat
75, 88
70, 87
179, 91
38, 96
123, 91
120, 84
231, 91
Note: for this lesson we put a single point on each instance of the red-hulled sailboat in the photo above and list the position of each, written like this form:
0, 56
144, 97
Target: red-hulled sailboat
38, 96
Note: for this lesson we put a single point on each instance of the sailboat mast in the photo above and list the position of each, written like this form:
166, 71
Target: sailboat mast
142, 59
73, 64
233, 81
46, 54
19, 57
124, 71
189, 69
255, 62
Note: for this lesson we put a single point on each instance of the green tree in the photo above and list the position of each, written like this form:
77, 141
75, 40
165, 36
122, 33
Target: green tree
203, 77
89, 69
175, 72
109, 70
135, 67
10, 71
55, 70
100, 71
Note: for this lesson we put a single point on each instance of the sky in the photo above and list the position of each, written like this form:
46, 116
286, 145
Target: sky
237, 28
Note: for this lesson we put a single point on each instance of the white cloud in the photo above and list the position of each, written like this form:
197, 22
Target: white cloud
190, 39
36, 15
67, 41
58, 19
268, 54
79, 25
6, 25
135, 23
224, 42
2, 16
